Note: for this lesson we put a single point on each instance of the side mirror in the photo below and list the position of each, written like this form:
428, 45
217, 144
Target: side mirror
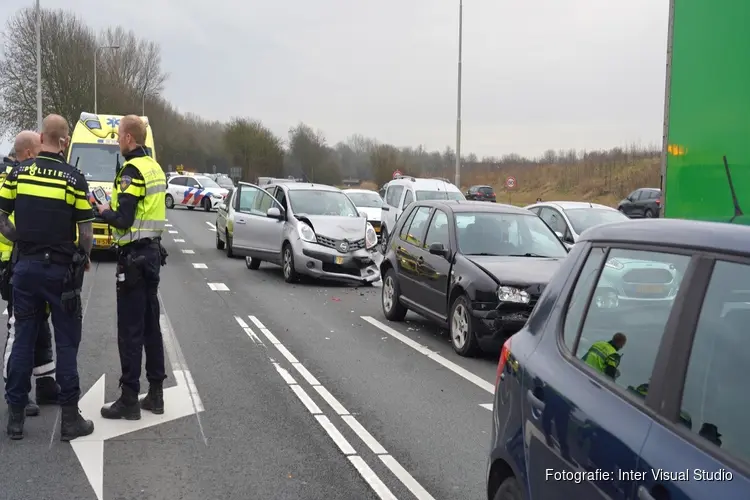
362, 213
274, 213
438, 249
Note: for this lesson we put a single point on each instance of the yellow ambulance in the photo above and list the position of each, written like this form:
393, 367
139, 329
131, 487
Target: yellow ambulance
94, 150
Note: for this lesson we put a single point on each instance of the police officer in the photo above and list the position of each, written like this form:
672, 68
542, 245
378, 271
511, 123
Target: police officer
137, 215
48, 199
604, 356
27, 146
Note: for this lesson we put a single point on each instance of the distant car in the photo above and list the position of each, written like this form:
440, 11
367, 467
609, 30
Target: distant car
565, 428
368, 202
641, 203
307, 229
481, 193
194, 191
404, 190
568, 219
475, 268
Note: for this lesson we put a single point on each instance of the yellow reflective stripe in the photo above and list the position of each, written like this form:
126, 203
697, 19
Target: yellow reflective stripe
136, 235
54, 193
81, 204
137, 191
139, 182
9, 193
159, 188
45, 180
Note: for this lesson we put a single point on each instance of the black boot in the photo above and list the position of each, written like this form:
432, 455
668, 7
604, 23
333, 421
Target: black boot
73, 425
32, 409
126, 406
46, 391
16, 418
154, 400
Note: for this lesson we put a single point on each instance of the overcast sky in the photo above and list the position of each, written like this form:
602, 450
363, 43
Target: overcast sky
538, 74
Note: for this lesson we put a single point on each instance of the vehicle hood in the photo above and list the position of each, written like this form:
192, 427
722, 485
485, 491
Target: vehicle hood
336, 227
213, 190
373, 213
518, 270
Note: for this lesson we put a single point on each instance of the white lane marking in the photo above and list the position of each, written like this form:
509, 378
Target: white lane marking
212, 226
199, 265
458, 370
403, 475
167, 225
240, 321
285, 374
179, 240
285, 352
5, 313
172, 231
306, 400
337, 437
189, 252
365, 436
306, 374
250, 333
218, 287
486, 406
212, 229
380, 489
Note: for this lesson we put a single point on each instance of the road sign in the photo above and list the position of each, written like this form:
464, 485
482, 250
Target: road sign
235, 172
510, 182
396, 174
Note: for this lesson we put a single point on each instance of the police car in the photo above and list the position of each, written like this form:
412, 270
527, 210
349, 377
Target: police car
194, 191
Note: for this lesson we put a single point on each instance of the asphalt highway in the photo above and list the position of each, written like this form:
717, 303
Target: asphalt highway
275, 391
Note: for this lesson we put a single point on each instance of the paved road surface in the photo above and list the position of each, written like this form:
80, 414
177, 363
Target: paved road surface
277, 391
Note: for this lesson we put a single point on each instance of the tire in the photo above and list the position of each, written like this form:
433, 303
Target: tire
384, 241
191, 208
206, 204
219, 243
648, 214
169, 201
287, 264
393, 309
230, 253
252, 264
509, 490
463, 340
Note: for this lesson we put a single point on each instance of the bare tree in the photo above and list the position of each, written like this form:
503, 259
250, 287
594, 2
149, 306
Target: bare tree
309, 153
254, 148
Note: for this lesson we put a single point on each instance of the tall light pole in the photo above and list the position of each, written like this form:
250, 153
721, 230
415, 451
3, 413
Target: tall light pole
458, 100
96, 52
38, 66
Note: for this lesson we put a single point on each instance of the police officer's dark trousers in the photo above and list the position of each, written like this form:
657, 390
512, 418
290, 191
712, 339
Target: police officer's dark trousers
138, 329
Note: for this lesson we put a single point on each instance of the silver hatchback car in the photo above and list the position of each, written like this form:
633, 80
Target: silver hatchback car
309, 229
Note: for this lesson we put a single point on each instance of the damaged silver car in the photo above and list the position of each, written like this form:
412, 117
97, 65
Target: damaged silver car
307, 229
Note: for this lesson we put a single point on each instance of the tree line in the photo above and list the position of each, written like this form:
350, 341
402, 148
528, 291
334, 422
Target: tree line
131, 80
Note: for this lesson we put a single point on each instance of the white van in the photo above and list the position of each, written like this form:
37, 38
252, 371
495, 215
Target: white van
404, 190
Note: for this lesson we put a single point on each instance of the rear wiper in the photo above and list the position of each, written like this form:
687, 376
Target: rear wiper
528, 254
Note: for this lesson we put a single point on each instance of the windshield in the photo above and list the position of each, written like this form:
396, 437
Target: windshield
312, 202
207, 182
368, 200
584, 218
98, 162
488, 233
439, 195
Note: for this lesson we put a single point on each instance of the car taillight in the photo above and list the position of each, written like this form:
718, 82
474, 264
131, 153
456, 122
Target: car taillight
493, 194
503, 360
658, 201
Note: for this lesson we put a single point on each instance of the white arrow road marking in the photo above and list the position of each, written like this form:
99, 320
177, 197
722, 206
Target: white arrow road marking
181, 400
486, 406
212, 226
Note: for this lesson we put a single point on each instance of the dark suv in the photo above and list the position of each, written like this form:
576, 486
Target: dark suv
596, 398
481, 193
644, 202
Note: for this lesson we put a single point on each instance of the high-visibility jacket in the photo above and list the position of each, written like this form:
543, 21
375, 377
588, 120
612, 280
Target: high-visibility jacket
150, 212
602, 355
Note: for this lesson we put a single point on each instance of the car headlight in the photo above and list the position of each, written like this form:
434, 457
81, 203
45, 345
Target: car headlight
371, 237
511, 294
306, 233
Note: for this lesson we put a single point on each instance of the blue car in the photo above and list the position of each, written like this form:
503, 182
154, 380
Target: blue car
664, 416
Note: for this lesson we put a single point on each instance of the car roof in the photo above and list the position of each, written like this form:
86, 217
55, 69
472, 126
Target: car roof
304, 186
459, 206
724, 237
423, 184
569, 205
356, 190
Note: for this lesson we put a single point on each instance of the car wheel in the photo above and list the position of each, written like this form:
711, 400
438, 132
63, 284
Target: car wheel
252, 263
287, 264
649, 214
463, 340
191, 208
384, 241
509, 490
206, 204
219, 243
169, 201
230, 253
393, 309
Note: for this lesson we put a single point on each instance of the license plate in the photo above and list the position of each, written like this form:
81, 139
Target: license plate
650, 288
339, 260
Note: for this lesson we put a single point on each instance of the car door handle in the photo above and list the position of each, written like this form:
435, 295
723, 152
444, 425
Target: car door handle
643, 494
534, 401
240, 221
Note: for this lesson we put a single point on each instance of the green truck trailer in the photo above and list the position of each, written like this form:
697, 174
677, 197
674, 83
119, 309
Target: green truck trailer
706, 162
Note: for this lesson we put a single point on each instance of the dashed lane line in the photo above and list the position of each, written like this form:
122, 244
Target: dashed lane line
487, 406
390, 462
211, 227
188, 251
179, 240
167, 225
218, 287
171, 231
199, 265
458, 370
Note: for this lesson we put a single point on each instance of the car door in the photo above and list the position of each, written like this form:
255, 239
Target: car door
628, 206
433, 271
392, 202
580, 420
406, 201
408, 251
703, 442
176, 188
555, 220
254, 232
222, 212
